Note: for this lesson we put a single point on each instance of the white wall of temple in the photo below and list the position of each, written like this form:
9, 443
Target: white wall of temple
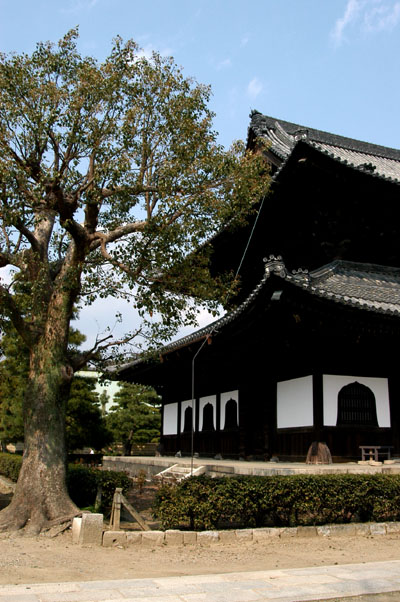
295, 402
225, 397
202, 402
170, 419
170, 412
332, 384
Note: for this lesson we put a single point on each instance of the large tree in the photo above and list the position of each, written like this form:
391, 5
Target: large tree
110, 178
85, 422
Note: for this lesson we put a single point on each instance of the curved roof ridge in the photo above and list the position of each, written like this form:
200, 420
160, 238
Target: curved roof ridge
260, 124
368, 286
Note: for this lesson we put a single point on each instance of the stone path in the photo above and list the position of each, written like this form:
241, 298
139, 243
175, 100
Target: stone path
289, 585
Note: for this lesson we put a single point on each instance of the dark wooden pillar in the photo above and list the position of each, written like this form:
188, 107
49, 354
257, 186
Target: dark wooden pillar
270, 424
242, 423
196, 424
178, 438
394, 403
217, 424
318, 406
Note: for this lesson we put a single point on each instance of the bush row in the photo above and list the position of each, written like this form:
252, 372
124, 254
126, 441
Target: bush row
10, 465
205, 503
83, 483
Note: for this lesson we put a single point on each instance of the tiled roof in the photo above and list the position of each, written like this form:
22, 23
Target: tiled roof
367, 286
208, 330
370, 158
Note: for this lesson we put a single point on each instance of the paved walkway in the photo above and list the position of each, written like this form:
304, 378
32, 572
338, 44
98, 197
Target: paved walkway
289, 585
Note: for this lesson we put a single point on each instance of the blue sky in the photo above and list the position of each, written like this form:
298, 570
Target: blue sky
328, 64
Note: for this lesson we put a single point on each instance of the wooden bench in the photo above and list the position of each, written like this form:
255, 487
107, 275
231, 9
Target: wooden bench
372, 452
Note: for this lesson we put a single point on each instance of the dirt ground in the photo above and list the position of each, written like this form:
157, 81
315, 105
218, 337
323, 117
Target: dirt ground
43, 559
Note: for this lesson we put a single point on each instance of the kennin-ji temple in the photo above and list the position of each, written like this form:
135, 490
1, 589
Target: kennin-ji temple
311, 351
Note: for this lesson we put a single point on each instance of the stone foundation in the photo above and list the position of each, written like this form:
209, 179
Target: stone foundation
206, 538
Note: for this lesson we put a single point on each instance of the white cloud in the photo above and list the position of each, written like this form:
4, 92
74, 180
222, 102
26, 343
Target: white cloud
351, 13
76, 6
369, 16
244, 41
254, 88
225, 64
383, 17
147, 51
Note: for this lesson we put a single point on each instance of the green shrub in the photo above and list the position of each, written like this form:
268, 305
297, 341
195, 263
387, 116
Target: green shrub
206, 503
109, 480
82, 485
82, 482
10, 465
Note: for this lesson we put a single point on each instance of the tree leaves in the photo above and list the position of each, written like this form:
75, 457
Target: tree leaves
112, 168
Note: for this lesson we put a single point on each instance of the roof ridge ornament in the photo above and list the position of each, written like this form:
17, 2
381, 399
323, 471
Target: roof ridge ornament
301, 134
301, 274
283, 136
275, 265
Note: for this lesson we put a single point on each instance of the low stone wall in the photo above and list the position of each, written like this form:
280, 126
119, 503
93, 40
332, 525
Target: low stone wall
133, 465
153, 465
174, 537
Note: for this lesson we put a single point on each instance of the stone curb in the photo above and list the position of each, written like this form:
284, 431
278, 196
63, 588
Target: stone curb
176, 537
8, 484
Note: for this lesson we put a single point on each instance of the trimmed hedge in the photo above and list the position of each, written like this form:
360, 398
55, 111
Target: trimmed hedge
82, 482
10, 465
226, 502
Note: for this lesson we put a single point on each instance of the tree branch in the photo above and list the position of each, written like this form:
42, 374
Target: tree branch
81, 361
133, 190
30, 237
15, 316
56, 150
9, 259
118, 264
99, 238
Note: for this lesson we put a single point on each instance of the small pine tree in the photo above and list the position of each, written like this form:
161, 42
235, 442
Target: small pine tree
135, 416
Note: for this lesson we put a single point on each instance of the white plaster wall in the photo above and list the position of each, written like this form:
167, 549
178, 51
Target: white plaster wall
332, 385
170, 419
295, 402
202, 402
184, 405
225, 397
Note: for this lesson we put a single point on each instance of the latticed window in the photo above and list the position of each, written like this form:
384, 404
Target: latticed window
356, 405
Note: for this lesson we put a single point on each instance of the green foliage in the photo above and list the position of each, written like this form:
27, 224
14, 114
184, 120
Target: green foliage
111, 182
109, 481
134, 419
82, 482
10, 465
84, 422
280, 501
129, 145
82, 485
85, 425
13, 377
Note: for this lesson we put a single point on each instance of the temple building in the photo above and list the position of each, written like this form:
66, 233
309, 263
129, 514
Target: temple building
310, 351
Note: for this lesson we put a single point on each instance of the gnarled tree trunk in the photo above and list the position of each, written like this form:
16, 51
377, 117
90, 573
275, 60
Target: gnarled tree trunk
41, 495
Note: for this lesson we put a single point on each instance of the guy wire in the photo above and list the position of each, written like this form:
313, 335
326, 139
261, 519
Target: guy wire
207, 337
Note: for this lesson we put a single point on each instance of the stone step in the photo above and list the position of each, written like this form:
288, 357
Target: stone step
178, 472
